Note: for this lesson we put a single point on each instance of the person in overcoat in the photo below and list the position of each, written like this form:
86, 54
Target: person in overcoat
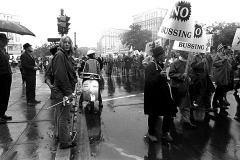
65, 79
5, 79
201, 86
29, 70
128, 63
157, 96
221, 74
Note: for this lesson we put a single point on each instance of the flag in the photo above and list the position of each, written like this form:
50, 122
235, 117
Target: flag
131, 49
220, 46
236, 40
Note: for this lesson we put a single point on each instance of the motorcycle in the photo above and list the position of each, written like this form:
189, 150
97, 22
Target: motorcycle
90, 91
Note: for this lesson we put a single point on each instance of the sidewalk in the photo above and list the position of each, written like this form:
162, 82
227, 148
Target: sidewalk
30, 133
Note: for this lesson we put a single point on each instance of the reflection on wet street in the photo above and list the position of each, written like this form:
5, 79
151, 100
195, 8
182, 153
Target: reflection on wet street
27, 135
94, 132
120, 131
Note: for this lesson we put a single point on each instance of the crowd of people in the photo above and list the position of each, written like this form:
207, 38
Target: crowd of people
125, 64
197, 82
190, 82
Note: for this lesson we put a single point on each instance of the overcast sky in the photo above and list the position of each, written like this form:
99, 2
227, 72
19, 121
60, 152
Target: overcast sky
90, 17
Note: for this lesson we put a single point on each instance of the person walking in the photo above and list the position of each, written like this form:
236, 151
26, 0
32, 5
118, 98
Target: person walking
123, 64
119, 64
202, 87
157, 96
141, 67
65, 79
221, 73
110, 65
5, 79
179, 81
29, 70
128, 63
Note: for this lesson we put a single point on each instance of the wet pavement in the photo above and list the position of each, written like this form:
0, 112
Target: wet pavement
118, 133
29, 134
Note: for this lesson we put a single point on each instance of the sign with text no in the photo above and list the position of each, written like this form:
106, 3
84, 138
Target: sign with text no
178, 23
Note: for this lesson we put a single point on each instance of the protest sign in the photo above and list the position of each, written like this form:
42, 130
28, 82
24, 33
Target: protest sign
236, 40
198, 44
178, 23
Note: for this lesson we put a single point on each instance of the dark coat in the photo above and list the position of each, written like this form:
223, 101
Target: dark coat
64, 74
128, 62
157, 98
28, 64
4, 63
99, 59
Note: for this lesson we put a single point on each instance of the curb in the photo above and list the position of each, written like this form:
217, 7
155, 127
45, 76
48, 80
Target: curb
82, 150
84, 139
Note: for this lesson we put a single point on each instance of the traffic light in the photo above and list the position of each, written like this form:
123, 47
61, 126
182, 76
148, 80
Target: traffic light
67, 25
63, 24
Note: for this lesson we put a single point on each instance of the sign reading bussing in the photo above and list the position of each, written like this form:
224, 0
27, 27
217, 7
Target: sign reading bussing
180, 26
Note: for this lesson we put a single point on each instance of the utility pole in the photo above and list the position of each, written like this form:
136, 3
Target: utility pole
75, 40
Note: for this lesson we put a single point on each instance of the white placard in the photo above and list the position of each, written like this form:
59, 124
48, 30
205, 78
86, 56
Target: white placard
178, 23
198, 44
236, 40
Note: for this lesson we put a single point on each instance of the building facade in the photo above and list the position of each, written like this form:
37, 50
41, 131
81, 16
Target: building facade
110, 41
14, 45
151, 20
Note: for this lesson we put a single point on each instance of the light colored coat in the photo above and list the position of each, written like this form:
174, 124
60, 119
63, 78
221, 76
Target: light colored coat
221, 70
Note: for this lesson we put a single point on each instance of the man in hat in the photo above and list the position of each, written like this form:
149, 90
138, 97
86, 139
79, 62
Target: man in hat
5, 79
29, 70
157, 96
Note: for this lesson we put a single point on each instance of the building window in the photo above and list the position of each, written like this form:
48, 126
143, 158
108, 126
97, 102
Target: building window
10, 48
